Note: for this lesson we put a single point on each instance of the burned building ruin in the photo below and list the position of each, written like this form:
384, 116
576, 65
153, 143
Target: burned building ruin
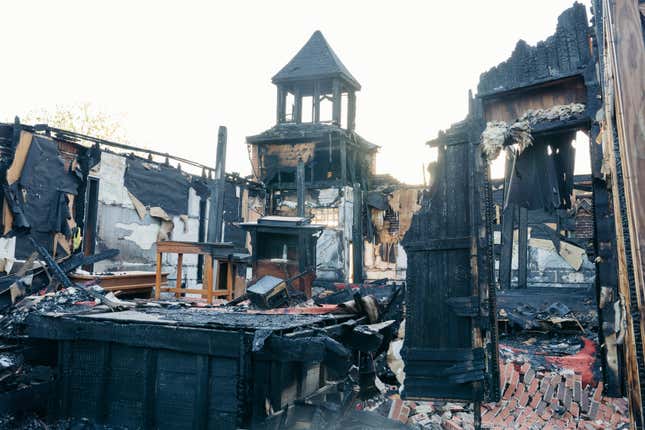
351, 299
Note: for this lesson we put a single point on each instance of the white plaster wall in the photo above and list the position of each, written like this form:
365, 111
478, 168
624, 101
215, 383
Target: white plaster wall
120, 227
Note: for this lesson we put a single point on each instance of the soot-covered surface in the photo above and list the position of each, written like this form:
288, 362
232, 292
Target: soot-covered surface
215, 318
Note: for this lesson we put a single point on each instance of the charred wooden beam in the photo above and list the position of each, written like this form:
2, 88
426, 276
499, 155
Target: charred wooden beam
336, 96
522, 260
316, 102
217, 193
351, 110
297, 109
357, 234
300, 181
281, 105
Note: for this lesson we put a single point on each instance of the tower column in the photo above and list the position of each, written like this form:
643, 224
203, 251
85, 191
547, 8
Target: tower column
297, 108
337, 105
351, 110
316, 106
281, 105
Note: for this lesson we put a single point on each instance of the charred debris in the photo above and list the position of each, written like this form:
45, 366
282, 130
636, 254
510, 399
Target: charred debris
317, 293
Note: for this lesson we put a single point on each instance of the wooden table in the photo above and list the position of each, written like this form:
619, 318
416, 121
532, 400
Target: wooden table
131, 282
220, 252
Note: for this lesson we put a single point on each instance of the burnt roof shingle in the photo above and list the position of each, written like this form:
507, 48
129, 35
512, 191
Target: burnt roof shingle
315, 60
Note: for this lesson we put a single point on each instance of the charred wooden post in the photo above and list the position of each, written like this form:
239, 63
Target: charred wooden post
281, 106
508, 225
522, 248
357, 234
217, 190
297, 108
351, 110
316, 102
300, 182
336, 96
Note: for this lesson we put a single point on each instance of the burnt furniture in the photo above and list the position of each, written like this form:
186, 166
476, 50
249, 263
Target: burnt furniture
223, 253
128, 283
284, 247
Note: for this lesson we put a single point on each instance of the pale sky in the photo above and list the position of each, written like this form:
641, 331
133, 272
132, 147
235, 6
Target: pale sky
172, 72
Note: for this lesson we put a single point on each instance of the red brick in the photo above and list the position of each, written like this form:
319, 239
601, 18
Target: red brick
608, 412
575, 409
535, 401
597, 394
451, 424
567, 398
568, 381
561, 389
594, 409
512, 384
555, 403
577, 389
523, 399
405, 413
533, 386
395, 409
525, 368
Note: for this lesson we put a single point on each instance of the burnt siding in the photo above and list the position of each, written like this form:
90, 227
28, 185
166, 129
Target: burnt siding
438, 251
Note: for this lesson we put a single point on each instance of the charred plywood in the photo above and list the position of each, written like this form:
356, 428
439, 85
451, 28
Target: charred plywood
510, 106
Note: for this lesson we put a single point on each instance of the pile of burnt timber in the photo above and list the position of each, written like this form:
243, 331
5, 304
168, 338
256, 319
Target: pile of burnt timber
171, 364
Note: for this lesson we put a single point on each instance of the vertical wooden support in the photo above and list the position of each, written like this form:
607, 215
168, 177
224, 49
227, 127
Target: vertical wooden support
300, 187
343, 158
158, 277
522, 260
316, 103
357, 234
217, 190
351, 110
281, 105
336, 109
229, 280
508, 225
208, 281
506, 256
623, 90
297, 108
180, 260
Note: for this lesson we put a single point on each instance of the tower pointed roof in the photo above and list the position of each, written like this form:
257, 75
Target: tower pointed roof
315, 60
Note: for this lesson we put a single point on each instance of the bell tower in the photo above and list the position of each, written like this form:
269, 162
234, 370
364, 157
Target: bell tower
316, 75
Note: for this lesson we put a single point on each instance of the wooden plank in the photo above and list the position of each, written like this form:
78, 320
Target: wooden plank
627, 57
180, 260
158, 276
208, 282
229, 280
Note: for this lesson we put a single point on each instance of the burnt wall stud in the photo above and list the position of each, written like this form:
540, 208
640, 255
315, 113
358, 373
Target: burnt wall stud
217, 189
300, 183
336, 94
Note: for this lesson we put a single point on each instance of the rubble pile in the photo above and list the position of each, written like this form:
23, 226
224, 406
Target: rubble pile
536, 399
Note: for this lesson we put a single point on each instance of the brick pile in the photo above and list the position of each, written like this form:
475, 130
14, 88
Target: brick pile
549, 400
531, 399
